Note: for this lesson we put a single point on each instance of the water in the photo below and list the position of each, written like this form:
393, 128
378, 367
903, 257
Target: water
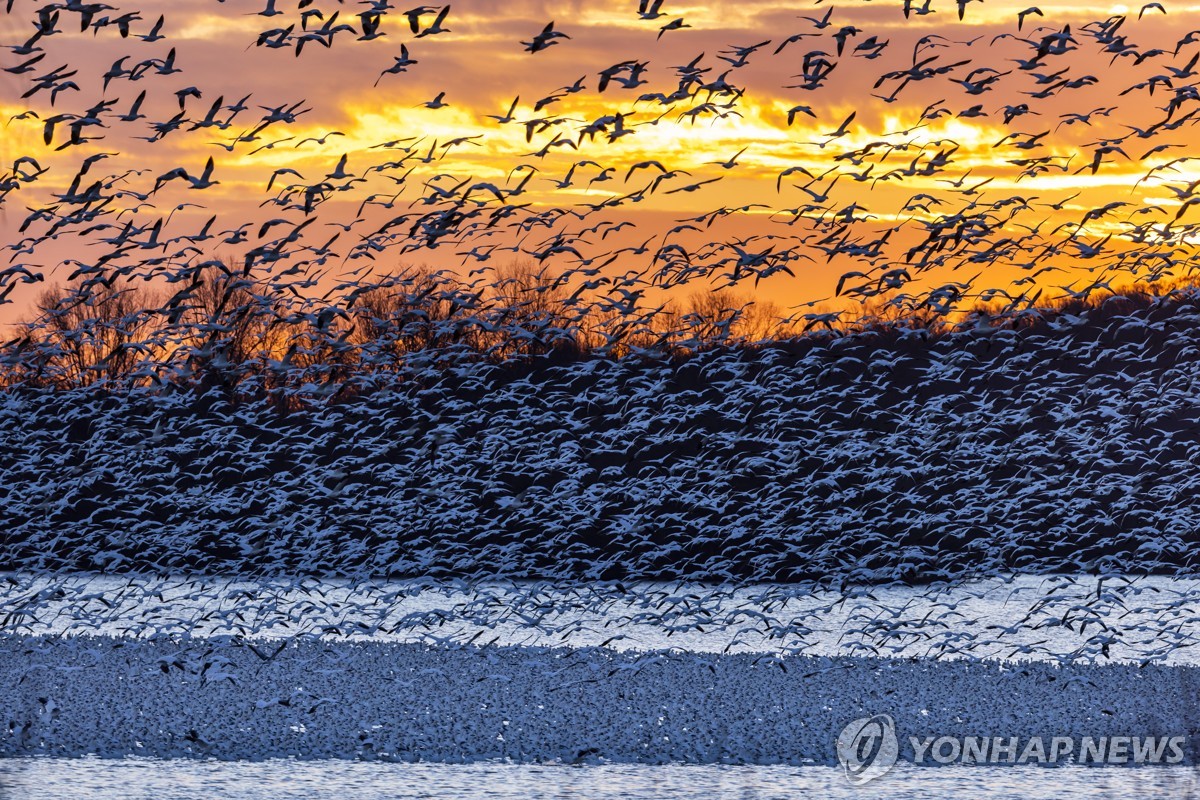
137, 665
186, 779
1077, 619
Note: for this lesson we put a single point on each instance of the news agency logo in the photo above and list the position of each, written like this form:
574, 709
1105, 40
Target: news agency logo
867, 748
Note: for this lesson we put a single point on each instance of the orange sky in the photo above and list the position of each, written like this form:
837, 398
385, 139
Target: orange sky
851, 224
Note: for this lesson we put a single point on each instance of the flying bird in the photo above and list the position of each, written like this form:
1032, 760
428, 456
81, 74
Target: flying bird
673, 25
1022, 15
402, 63
434, 29
436, 103
649, 9
545, 39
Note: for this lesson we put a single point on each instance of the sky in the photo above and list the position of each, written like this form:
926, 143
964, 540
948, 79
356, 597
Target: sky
970, 162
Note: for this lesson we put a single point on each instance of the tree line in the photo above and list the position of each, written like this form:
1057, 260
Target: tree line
257, 338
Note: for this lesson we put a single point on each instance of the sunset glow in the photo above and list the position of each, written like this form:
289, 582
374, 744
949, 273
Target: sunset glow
1056, 135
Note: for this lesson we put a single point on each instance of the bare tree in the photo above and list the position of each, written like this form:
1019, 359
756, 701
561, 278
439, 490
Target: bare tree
88, 335
415, 310
724, 317
527, 312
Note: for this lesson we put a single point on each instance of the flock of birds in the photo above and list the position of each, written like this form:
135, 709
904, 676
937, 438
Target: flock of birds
852, 461
515, 672
382, 701
1059, 619
950, 213
815, 465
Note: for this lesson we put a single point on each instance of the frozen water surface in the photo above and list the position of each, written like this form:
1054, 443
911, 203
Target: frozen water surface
212, 687
148, 779
1055, 617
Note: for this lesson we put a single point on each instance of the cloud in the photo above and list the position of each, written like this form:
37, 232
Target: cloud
875, 163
